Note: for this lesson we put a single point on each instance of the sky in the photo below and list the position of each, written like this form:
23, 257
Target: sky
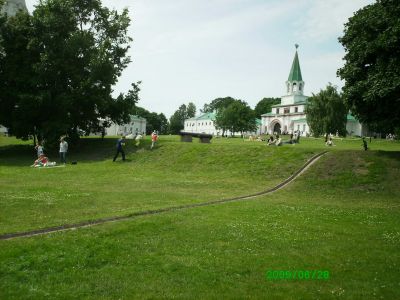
195, 51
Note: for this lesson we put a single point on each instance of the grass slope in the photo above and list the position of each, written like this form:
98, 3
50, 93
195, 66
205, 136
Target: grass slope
342, 215
173, 174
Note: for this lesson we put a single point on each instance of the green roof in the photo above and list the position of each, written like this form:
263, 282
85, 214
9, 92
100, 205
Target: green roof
295, 72
137, 117
206, 116
351, 118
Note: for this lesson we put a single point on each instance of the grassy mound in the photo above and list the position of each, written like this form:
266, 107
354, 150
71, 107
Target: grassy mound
342, 216
173, 174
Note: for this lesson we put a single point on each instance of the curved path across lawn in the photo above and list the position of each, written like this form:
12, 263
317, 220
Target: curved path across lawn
8, 236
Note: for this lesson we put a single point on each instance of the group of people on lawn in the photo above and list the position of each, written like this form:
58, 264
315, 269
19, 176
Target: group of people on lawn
121, 143
277, 140
43, 161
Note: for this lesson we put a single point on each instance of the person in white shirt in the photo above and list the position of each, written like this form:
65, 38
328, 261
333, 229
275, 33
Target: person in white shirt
137, 139
39, 149
63, 150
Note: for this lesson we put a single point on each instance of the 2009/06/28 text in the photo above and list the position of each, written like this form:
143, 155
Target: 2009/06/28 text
297, 275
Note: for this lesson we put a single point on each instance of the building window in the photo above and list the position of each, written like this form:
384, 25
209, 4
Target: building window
296, 109
298, 127
286, 110
304, 128
277, 110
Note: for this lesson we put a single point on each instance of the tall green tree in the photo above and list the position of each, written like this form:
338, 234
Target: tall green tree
154, 121
190, 110
217, 104
237, 117
372, 64
265, 106
177, 120
326, 112
69, 55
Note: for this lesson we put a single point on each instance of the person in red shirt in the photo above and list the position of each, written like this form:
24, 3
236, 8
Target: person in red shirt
41, 161
154, 138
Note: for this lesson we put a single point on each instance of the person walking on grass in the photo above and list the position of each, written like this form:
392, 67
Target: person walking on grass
137, 139
63, 150
365, 145
120, 144
154, 138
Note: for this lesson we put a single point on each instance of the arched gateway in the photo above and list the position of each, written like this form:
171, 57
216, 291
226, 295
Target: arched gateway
277, 128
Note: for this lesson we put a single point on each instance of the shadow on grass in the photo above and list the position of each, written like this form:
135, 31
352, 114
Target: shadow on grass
389, 154
86, 150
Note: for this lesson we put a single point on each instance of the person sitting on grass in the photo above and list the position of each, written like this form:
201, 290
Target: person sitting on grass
41, 161
278, 141
329, 142
271, 141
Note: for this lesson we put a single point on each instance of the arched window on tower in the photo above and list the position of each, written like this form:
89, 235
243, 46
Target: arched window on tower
288, 88
294, 87
300, 86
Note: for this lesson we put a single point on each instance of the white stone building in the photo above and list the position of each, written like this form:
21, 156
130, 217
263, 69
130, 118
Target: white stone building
135, 126
289, 116
205, 123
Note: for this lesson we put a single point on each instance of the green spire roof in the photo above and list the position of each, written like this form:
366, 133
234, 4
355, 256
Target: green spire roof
295, 72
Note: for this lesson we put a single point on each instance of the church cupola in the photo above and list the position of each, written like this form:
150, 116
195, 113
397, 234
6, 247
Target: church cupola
295, 83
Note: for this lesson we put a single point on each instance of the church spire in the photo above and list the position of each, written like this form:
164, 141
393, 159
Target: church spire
295, 83
295, 72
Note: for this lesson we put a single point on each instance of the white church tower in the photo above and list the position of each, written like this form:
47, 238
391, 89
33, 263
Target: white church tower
289, 116
11, 7
294, 84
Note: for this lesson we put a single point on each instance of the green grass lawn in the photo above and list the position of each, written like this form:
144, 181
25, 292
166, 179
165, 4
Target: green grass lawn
342, 215
173, 174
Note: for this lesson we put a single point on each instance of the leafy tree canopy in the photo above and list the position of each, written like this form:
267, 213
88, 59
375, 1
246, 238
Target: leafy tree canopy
236, 117
154, 121
372, 64
264, 106
177, 120
217, 104
67, 56
326, 112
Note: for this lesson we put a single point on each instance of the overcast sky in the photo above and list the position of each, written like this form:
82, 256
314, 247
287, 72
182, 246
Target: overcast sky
196, 50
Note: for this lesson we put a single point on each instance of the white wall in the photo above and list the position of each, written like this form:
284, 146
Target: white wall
3, 130
136, 125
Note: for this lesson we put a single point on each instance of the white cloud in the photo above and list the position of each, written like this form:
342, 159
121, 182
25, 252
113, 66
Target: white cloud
199, 50
324, 20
